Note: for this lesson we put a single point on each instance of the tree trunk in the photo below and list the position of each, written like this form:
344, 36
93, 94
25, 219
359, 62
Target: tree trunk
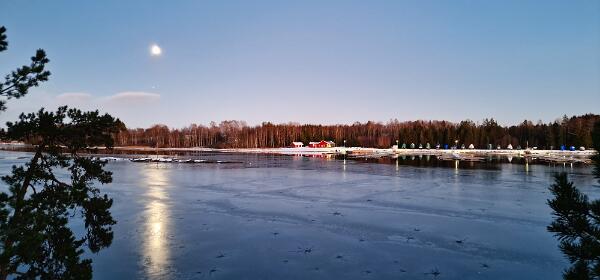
20, 197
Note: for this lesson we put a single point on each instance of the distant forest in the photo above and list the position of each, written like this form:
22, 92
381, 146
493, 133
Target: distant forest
574, 131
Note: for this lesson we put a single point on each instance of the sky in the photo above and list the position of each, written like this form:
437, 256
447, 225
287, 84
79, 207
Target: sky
309, 61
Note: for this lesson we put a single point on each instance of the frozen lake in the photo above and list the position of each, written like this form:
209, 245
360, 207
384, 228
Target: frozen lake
292, 217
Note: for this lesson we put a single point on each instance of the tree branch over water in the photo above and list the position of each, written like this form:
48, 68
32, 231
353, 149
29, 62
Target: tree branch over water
36, 240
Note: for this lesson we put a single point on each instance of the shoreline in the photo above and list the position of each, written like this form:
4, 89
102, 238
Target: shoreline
556, 156
360, 152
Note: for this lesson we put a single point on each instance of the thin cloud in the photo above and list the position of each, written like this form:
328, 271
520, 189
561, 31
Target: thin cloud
129, 96
124, 105
74, 96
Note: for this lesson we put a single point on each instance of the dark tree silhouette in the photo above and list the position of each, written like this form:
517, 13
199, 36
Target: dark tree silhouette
18, 82
36, 240
577, 223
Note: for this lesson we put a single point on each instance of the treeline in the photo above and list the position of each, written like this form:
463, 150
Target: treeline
574, 131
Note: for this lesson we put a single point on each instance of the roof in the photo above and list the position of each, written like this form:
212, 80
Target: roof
297, 143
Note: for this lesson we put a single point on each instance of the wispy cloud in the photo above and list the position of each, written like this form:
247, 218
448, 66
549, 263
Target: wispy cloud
135, 108
132, 96
118, 98
74, 96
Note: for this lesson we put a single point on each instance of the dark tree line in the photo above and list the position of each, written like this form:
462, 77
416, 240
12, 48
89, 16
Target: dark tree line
574, 131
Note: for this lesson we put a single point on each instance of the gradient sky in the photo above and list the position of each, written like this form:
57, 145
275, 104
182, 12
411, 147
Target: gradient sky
310, 61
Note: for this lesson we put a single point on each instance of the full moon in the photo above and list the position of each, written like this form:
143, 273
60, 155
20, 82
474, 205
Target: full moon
155, 50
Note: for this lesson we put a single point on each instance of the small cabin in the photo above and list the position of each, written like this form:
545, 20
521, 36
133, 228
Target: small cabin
297, 144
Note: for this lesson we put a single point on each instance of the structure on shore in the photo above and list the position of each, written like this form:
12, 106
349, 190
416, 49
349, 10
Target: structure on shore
321, 144
297, 144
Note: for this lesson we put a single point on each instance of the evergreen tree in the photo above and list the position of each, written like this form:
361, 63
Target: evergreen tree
577, 223
57, 184
18, 82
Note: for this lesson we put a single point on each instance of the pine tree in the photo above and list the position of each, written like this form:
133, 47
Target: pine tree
57, 184
577, 223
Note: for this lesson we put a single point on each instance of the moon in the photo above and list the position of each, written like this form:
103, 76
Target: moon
155, 50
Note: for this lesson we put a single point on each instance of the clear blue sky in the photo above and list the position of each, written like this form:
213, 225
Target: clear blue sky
310, 61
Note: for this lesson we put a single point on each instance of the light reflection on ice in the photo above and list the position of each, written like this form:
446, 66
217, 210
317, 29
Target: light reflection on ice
456, 162
156, 223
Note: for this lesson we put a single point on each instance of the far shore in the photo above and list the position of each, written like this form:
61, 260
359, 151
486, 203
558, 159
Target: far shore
361, 150
551, 155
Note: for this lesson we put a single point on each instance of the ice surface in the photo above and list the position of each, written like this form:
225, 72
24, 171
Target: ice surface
284, 217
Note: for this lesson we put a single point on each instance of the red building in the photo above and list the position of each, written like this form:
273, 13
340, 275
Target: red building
321, 144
